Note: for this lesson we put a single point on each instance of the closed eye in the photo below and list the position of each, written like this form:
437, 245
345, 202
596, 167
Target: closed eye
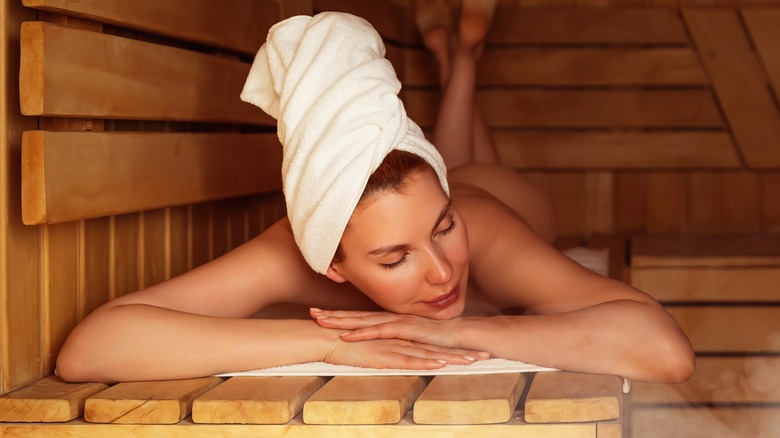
449, 229
394, 265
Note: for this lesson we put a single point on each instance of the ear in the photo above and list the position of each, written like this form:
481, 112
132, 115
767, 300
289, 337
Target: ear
334, 274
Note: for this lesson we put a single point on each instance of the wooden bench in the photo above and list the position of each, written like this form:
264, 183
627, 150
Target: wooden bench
548, 404
723, 290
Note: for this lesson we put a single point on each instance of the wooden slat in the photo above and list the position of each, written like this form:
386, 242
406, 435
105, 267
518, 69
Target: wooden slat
764, 27
94, 272
570, 67
77, 73
611, 150
255, 400
617, 246
770, 208
60, 285
732, 329
706, 422
363, 400
751, 379
724, 202
70, 175
609, 429
583, 26
720, 284
705, 250
739, 83
47, 400
472, 399
515, 428
666, 203
239, 25
161, 402
581, 108
561, 396
126, 258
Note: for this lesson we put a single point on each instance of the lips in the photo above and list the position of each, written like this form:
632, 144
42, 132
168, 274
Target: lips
445, 300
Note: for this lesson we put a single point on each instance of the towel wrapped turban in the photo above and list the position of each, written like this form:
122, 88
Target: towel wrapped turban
335, 98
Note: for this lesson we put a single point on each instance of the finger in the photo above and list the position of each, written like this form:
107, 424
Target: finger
449, 355
342, 313
352, 323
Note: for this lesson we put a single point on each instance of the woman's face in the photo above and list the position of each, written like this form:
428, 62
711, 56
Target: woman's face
408, 251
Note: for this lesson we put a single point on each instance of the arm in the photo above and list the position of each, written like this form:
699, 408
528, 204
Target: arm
578, 320
200, 323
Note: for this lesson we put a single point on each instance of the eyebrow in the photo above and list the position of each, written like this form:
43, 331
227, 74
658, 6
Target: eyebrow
403, 246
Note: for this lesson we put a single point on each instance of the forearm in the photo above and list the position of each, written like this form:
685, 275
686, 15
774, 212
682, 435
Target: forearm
141, 342
633, 339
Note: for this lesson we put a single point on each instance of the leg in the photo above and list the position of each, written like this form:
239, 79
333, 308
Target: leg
460, 133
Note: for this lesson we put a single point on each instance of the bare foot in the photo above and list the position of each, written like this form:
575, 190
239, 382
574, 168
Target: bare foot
475, 19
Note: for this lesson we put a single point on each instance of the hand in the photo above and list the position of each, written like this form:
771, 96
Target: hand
364, 326
398, 354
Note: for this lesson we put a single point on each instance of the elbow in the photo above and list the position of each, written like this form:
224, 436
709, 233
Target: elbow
76, 365
674, 364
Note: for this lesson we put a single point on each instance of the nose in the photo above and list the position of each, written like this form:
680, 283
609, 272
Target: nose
439, 269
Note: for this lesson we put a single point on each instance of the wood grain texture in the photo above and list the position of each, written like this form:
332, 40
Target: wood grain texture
615, 150
160, 402
240, 25
571, 397
129, 172
472, 399
709, 283
724, 421
730, 329
363, 400
77, 73
255, 400
739, 83
556, 66
47, 400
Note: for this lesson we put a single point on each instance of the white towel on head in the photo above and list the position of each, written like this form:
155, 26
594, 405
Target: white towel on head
335, 98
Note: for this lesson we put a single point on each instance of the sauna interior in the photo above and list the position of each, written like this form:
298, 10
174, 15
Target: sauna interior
127, 158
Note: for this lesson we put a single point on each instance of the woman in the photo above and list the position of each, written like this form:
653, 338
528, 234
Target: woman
418, 273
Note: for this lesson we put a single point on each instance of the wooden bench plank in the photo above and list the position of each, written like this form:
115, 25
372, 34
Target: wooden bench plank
581, 108
160, 402
47, 400
764, 27
255, 400
76, 175
240, 25
363, 400
469, 399
719, 284
516, 428
617, 66
739, 83
610, 150
586, 26
558, 397
732, 329
76, 73
705, 250
706, 422
727, 379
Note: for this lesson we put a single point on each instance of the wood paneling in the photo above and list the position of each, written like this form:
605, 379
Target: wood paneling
739, 83
78, 73
240, 25
71, 175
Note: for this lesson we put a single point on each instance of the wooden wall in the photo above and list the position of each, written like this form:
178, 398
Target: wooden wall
639, 117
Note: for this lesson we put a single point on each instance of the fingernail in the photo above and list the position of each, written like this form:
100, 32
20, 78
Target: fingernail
345, 334
441, 361
315, 310
483, 354
469, 358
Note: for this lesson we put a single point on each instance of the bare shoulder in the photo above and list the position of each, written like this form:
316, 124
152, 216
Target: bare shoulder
266, 270
512, 189
512, 266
